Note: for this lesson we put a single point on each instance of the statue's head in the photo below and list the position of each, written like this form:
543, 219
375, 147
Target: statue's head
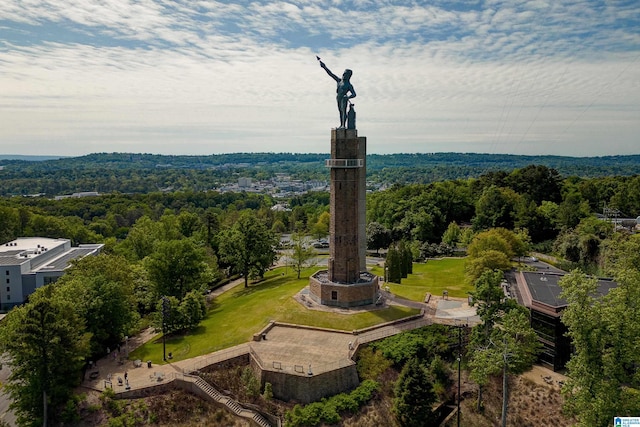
347, 74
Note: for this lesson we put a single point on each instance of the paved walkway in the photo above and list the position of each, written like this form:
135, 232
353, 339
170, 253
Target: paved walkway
286, 347
455, 310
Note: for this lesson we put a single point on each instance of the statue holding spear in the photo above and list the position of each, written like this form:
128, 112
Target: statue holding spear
344, 93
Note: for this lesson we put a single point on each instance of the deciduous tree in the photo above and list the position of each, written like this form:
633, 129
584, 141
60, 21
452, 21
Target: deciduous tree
177, 267
302, 256
605, 331
248, 246
378, 236
46, 343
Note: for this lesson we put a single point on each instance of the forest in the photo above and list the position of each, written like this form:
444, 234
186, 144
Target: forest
144, 173
180, 243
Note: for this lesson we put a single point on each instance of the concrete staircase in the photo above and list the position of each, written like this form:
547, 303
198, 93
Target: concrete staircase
229, 403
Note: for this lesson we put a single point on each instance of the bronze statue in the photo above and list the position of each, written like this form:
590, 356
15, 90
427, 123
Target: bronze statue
344, 92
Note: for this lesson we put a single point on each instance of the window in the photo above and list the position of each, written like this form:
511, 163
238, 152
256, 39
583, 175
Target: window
7, 272
8, 289
334, 295
8, 297
8, 281
50, 280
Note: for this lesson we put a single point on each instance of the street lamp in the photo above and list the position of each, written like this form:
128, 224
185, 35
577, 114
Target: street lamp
459, 326
166, 309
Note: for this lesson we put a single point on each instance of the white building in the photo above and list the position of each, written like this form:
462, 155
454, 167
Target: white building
28, 263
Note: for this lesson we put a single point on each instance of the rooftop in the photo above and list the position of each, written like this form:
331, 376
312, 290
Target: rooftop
543, 291
39, 252
30, 243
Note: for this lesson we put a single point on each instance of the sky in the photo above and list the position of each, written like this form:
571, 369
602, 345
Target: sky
200, 77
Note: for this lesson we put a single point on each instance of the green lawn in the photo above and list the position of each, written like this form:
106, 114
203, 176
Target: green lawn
239, 313
433, 276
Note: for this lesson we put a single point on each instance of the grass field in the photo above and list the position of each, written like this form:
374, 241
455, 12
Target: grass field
433, 276
239, 313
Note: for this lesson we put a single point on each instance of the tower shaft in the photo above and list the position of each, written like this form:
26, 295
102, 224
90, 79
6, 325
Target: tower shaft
347, 241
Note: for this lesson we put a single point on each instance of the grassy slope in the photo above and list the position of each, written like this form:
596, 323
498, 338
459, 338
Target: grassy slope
239, 313
433, 276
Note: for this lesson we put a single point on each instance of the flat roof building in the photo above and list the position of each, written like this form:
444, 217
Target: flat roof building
28, 263
540, 292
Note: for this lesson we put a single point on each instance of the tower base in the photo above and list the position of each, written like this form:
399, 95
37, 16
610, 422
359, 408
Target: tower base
362, 292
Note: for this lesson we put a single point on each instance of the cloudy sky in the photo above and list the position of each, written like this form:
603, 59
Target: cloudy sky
207, 77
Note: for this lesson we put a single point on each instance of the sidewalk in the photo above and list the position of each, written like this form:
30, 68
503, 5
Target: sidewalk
112, 372
111, 369
142, 374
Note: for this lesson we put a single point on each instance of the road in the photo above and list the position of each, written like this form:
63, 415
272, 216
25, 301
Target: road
5, 414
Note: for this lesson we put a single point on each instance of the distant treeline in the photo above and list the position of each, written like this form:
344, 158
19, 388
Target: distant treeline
143, 173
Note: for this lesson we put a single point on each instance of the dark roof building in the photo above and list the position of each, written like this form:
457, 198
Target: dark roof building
540, 292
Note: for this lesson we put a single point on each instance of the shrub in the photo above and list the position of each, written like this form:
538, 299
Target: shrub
328, 411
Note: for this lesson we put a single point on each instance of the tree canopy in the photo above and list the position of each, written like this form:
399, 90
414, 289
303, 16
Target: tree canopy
46, 342
248, 247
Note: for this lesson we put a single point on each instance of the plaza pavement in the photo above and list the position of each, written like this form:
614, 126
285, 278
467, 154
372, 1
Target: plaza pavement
288, 348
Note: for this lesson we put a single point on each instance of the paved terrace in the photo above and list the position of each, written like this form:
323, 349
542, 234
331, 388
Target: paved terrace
289, 348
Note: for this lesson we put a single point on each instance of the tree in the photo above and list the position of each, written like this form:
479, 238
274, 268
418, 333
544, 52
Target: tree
414, 396
393, 265
302, 256
536, 182
378, 236
488, 261
177, 267
46, 344
511, 346
492, 249
483, 364
494, 239
101, 289
604, 331
572, 209
496, 207
321, 228
248, 246
452, 235
9, 224
188, 223
518, 346
489, 299
141, 238
621, 253
180, 315
406, 259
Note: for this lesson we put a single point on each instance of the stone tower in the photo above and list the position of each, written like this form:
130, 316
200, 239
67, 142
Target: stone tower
346, 282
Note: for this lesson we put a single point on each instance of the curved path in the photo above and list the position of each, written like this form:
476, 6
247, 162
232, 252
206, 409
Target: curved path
126, 376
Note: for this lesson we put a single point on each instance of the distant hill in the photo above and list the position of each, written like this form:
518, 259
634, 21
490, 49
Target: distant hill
28, 158
137, 173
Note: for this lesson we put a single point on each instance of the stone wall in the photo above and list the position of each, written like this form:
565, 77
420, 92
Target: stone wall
305, 388
343, 295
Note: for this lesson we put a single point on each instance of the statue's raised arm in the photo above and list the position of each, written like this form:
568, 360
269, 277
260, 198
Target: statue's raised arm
333, 76
344, 91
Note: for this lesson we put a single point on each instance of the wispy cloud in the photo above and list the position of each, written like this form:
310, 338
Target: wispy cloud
213, 76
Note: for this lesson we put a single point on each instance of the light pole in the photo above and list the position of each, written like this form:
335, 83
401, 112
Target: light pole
165, 313
459, 327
